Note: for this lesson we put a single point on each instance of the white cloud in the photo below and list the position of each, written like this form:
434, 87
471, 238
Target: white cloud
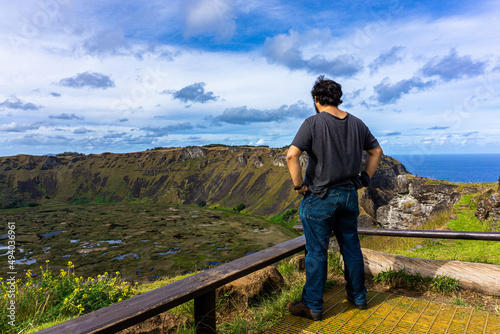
215, 18
18, 127
296, 51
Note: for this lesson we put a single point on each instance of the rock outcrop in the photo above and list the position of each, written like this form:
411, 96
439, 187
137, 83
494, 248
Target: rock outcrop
416, 199
280, 160
250, 288
299, 261
161, 323
50, 162
191, 152
488, 207
258, 162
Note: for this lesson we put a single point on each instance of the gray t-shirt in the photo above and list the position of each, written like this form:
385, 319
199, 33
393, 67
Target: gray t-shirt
335, 147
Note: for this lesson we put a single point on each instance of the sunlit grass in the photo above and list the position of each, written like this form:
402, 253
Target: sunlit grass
460, 218
393, 245
401, 279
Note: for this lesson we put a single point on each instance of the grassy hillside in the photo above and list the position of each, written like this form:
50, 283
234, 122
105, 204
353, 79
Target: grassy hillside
256, 177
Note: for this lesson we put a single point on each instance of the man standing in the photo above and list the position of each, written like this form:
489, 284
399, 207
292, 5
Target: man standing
334, 141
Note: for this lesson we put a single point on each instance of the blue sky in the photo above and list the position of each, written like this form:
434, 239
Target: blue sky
122, 76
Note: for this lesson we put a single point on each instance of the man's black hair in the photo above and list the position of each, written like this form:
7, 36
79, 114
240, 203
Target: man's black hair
327, 92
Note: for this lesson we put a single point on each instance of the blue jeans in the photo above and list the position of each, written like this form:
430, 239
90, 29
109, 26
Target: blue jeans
337, 212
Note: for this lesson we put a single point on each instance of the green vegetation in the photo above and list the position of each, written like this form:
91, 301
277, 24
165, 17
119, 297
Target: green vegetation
459, 301
401, 279
288, 218
444, 284
240, 207
80, 201
224, 145
68, 154
216, 145
50, 298
58, 298
9, 199
159, 175
157, 148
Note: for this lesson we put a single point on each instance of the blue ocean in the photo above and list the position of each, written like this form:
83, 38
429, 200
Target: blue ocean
453, 167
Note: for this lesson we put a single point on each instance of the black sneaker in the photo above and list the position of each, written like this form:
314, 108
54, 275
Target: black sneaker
300, 310
362, 306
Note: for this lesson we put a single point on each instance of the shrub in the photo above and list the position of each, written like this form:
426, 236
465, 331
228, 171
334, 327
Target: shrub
400, 279
288, 215
240, 207
444, 284
287, 218
50, 297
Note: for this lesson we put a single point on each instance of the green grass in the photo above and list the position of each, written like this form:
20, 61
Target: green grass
402, 279
288, 218
444, 284
459, 301
459, 218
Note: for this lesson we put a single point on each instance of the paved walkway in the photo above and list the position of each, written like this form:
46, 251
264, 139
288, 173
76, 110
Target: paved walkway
388, 313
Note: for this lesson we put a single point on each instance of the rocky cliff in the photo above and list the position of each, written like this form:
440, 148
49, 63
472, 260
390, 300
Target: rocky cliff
256, 177
415, 200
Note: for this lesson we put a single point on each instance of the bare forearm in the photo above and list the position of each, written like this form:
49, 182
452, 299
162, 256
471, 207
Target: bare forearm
295, 171
293, 163
373, 160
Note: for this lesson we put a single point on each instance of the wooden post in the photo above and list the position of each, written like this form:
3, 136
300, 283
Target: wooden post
204, 313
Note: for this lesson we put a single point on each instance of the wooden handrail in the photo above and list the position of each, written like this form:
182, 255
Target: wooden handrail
200, 287
440, 234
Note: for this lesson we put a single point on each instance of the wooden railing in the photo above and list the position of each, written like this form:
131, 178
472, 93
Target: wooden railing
201, 287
